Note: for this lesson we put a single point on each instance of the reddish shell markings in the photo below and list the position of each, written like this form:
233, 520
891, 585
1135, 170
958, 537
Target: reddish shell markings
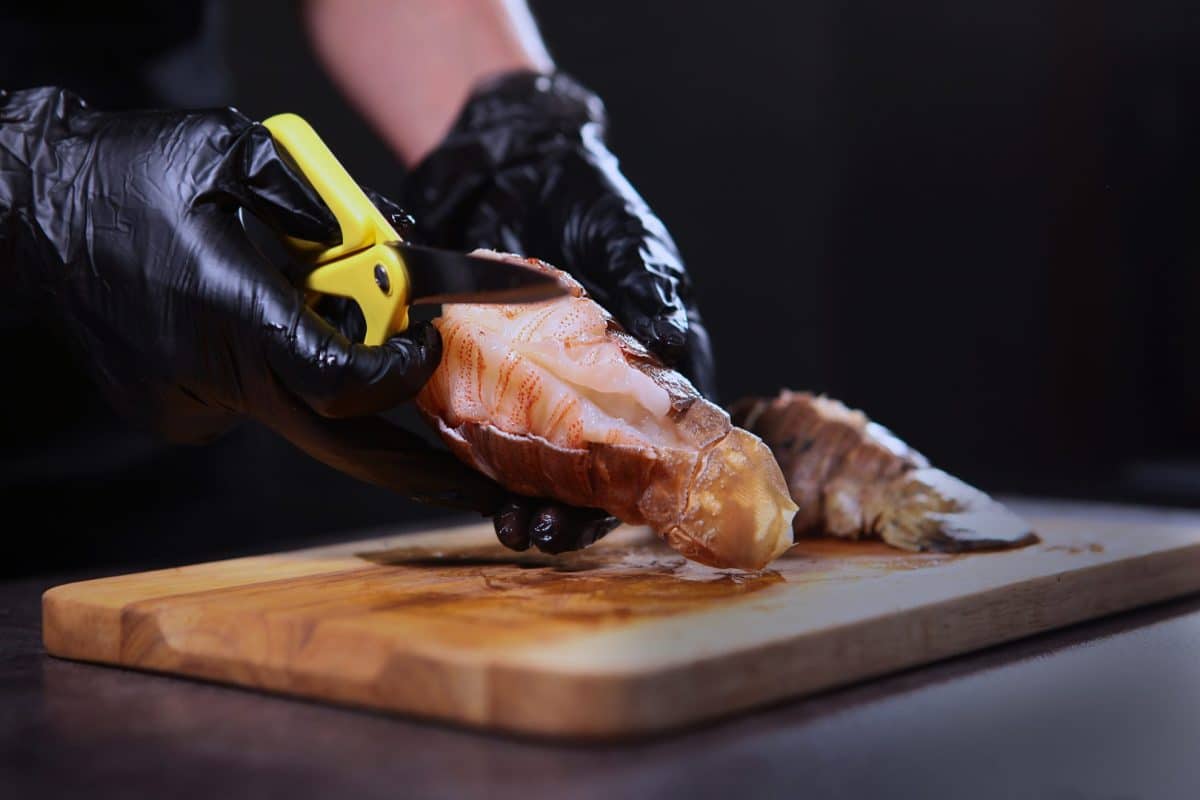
553, 400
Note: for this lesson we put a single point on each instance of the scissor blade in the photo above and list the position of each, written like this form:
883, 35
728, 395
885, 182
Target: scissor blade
444, 276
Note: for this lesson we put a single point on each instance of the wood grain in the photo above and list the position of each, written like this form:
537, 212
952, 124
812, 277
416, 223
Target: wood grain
625, 638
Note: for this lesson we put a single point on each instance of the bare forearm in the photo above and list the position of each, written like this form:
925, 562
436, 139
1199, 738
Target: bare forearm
408, 65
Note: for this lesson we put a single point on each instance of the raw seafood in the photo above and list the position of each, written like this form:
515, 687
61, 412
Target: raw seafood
852, 478
554, 400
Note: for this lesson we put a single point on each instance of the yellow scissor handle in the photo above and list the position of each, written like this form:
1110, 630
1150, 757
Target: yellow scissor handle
363, 267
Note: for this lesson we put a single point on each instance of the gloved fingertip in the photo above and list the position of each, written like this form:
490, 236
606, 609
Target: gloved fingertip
664, 335
414, 355
603, 527
511, 523
400, 219
404, 223
420, 339
670, 333
429, 335
558, 529
547, 531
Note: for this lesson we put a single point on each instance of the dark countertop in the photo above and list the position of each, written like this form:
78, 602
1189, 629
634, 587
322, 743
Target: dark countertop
1109, 709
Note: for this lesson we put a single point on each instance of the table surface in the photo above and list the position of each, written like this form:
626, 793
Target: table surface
1109, 709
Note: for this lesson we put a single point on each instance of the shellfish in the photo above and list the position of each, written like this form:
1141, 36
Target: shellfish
554, 399
852, 478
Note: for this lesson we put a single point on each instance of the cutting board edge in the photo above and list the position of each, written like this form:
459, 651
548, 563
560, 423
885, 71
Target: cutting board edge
1167, 577
615, 707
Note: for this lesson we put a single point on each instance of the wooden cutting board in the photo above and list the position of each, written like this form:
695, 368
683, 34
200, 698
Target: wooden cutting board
625, 638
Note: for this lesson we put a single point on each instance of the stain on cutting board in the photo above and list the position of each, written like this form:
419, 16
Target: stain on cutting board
483, 595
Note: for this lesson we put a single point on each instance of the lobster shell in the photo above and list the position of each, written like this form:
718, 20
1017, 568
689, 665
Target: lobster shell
854, 479
713, 491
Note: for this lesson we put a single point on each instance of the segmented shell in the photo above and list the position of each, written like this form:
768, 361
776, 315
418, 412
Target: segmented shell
852, 478
553, 400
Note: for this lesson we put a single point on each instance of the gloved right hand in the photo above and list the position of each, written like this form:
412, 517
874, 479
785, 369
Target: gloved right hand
126, 223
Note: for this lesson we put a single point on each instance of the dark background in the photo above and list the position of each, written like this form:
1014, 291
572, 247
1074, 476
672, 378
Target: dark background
975, 221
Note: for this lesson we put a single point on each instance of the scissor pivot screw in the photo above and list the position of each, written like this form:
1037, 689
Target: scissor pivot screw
382, 280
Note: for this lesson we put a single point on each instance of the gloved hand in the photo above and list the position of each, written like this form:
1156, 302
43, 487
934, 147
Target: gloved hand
127, 224
525, 169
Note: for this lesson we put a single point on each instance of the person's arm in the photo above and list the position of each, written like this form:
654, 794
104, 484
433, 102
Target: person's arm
408, 65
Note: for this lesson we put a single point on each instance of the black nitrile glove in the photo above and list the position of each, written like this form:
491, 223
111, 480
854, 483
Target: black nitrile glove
525, 169
127, 224
549, 526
